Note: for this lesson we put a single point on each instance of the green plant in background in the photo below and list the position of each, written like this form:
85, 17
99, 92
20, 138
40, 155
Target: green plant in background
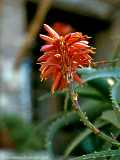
66, 59
19, 135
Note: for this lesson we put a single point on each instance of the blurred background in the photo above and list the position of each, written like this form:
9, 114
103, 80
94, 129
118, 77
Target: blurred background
21, 21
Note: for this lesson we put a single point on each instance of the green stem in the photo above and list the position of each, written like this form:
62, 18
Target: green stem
85, 120
66, 102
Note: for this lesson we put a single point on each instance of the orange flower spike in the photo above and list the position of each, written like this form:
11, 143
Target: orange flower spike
47, 48
46, 38
51, 31
56, 82
48, 73
61, 28
62, 56
42, 58
77, 79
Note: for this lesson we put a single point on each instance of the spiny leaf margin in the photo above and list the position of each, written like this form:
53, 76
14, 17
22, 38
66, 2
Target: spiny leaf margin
88, 74
59, 123
81, 136
101, 154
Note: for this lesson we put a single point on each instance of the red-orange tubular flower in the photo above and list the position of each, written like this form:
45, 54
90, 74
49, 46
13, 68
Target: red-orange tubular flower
62, 56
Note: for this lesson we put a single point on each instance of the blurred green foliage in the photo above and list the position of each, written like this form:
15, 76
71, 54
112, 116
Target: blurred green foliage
100, 102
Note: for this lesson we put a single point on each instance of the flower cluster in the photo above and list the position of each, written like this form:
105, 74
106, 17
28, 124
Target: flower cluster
62, 28
62, 56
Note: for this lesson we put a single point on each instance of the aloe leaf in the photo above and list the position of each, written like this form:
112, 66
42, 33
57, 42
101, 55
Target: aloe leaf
115, 94
101, 154
88, 74
111, 117
54, 128
115, 98
94, 108
81, 136
101, 85
88, 91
